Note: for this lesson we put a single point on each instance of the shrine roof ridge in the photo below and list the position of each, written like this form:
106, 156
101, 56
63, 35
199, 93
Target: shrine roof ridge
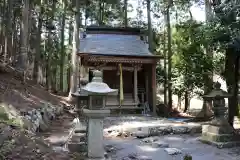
109, 29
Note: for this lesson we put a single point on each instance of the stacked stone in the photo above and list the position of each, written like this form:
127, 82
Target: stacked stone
39, 119
77, 137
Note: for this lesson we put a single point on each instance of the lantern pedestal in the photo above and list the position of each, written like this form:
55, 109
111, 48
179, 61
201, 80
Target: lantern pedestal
219, 133
95, 132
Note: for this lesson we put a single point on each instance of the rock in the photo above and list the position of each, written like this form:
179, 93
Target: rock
173, 151
160, 144
143, 158
60, 149
50, 110
113, 133
77, 147
126, 158
126, 134
133, 156
59, 110
110, 149
42, 125
27, 124
156, 131
150, 139
45, 117
35, 126
141, 134
180, 130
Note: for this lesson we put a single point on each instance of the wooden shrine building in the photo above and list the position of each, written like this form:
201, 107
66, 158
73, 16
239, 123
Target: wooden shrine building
104, 48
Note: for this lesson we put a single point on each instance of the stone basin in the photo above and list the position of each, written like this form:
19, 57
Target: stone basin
96, 113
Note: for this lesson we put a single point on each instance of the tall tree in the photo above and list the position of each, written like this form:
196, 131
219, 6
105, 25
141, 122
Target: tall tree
37, 70
169, 48
23, 57
76, 44
150, 32
125, 13
62, 59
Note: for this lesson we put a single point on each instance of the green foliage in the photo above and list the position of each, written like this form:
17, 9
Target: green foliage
160, 73
191, 65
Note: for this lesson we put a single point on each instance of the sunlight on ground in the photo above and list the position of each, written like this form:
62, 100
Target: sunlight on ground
154, 123
147, 148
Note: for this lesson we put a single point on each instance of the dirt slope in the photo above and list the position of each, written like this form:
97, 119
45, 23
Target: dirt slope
16, 144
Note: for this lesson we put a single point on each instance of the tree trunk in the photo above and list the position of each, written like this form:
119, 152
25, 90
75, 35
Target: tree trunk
125, 13
230, 80
37, 70
165, 73
2, 12
186, 101
168, 23
62, 47
69, 55
206, 110
150, 34
100, 16
14, 38
179, 102
76, 44
234, 111
8, 35
23, 57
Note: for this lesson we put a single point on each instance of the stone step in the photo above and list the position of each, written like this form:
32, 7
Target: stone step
78, 137
82, 129
77, 147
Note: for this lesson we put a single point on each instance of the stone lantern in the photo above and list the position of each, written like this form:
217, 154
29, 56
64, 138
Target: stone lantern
97, 92
219, 132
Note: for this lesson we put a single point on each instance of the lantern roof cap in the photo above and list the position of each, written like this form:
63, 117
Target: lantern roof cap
217, 92
97, 86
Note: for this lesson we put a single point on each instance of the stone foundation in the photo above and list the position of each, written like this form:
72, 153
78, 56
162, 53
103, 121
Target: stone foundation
219, 136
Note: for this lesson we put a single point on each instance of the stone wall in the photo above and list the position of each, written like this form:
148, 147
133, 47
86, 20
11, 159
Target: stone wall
36, 119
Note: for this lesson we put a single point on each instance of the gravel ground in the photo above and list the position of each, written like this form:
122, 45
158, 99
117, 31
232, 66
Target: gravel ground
127, 125
132, 148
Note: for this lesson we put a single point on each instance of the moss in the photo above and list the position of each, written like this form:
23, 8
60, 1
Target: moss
187, 157
3, 114
4, 118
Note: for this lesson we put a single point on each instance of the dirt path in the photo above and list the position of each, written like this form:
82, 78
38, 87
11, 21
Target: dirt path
59, 130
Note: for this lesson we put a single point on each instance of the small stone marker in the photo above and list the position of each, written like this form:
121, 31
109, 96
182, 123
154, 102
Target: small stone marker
141, 134
150, 139
173, 151
160, 144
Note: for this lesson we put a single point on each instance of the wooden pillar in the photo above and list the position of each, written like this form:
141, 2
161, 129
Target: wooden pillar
135, 85
154, 86
147, 86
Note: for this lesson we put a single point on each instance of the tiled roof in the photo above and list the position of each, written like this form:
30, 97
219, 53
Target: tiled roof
114, 44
